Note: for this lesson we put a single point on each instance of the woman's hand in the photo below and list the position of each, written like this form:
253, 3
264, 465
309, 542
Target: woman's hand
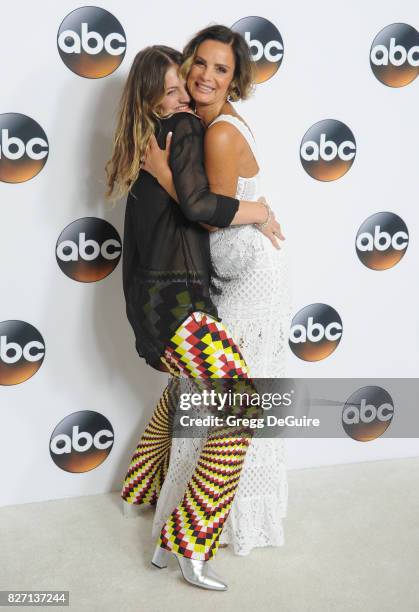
272, 229
156, 160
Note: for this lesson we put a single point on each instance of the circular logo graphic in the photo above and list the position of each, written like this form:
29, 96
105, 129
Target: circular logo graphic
382, 241
88, 249
394, 55
23, 148
91, 42
327, 150
265, 43
367, 413
315, 332
81, 441
22, 351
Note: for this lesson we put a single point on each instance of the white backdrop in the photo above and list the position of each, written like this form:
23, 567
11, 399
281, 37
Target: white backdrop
90, 361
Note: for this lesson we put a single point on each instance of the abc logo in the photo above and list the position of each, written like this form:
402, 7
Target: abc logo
327, 150
81, 441
265, 44
367, 413
91, 42
88, 249
382, 241
23, 148
22, 351
315, 332
394, 55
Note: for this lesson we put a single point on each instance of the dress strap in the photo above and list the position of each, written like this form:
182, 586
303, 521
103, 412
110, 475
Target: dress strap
243, 129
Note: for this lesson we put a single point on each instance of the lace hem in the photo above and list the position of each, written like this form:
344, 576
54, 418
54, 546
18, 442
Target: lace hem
255, 522
260, 503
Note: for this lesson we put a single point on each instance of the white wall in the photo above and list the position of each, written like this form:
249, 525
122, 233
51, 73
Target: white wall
90, 362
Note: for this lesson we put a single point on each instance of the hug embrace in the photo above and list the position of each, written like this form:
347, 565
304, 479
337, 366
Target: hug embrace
207, 295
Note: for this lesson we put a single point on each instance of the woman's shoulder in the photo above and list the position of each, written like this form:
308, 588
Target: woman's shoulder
184, 119
181, 125
229, 130
223, 131
229, 123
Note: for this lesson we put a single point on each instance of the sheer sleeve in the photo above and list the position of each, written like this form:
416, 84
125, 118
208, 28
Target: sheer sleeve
196, 200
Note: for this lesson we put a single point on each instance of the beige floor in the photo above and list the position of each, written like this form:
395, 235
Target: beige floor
352, 543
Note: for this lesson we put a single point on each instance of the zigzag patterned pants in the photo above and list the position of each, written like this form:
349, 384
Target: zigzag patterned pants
201, 348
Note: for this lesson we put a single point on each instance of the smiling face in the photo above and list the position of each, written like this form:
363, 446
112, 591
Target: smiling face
211, 73
176, 98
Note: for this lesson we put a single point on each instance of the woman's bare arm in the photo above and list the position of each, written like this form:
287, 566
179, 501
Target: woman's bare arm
223, 149
156, 163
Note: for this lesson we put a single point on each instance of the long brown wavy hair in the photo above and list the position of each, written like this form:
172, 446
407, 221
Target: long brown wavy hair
138, 116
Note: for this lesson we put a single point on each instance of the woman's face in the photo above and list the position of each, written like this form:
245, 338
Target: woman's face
211, 73
176, 98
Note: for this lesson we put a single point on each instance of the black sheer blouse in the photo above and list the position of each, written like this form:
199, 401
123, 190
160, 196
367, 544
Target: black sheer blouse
166, 254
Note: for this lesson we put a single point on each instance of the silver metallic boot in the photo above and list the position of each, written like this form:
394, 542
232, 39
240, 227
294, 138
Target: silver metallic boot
194, 571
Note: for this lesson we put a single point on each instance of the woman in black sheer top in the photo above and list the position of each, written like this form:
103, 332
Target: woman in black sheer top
166, 257
166, 271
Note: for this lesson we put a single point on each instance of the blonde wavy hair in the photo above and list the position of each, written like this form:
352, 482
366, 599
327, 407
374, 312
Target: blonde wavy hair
243, 83
138, 116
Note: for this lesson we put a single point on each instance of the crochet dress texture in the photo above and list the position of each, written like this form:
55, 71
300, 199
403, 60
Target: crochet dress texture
251, 290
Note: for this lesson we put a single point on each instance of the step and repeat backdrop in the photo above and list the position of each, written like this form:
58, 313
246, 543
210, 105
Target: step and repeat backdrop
335, 116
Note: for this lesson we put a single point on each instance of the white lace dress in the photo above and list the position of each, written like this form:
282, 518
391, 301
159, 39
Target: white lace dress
251, 291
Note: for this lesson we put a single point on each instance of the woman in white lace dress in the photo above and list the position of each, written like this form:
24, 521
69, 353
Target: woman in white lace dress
251, 292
